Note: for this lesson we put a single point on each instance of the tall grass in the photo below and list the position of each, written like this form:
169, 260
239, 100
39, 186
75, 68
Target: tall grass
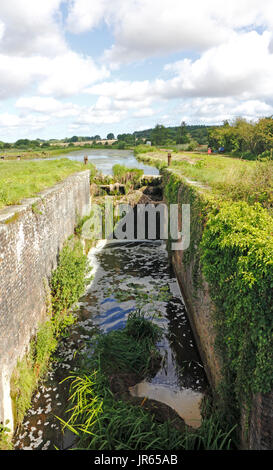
102, 421
23, 179
226, 177
126, 175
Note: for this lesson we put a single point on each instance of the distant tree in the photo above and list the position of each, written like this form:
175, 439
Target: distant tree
110, 136
121, 145
159, 134
182, 135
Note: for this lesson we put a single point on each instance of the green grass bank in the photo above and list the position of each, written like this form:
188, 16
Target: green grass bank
24, 179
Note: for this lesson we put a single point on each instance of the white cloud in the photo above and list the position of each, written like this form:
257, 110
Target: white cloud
31, 27
85, 15
241, 67
144, 112
216, 110
34, 52
63, 75
122, 90
48, 106
143, 28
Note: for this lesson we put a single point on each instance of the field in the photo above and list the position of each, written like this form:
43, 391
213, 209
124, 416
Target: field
29, 154
22, 179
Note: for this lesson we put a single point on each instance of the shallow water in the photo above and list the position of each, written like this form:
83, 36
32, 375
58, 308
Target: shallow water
126, 276
104, 159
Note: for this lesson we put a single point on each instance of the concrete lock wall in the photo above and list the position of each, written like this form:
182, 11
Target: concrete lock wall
31, 237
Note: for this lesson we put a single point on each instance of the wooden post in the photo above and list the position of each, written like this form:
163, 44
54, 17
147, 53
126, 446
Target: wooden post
169, 159
85, 159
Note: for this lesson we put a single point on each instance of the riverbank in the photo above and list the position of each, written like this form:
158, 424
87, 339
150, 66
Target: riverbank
49, 152
220, 176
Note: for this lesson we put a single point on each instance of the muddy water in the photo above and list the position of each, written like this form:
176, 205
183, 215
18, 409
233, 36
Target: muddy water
126, 276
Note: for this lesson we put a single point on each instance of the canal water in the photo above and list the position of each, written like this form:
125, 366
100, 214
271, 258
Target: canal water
104, 159
126, 276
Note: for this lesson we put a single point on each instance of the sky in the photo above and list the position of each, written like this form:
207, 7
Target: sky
87, 67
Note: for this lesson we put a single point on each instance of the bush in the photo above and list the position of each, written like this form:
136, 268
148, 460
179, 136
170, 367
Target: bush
237, 259
68, 280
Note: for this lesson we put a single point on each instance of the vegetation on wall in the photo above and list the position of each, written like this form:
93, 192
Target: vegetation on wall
237, 261
67, 284
232, 247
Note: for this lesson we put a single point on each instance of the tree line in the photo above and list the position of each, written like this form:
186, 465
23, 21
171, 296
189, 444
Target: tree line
248, 139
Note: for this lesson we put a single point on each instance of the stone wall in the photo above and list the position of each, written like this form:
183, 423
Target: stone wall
31, 237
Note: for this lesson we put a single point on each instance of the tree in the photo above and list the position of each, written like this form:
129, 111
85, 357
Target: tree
159, 134
182, 136
110, 136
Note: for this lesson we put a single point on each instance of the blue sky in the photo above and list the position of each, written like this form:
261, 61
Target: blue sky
82, 67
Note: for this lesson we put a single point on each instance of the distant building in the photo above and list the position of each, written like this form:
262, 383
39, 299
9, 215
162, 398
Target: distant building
148, 142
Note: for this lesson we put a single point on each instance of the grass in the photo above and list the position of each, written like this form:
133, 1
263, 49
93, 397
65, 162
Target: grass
24, 179
5, 442
102, 420
29, 154
222, 176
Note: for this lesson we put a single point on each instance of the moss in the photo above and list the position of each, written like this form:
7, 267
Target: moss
13, 219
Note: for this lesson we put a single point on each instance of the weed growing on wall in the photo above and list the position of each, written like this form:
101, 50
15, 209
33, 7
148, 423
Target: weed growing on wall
237, 259
66, 286
68, 280
232, 248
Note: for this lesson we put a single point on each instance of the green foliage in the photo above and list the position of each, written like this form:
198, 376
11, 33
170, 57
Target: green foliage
219, 177
26, 178
144, 149
5, 440
131, 349
248, 139
128, 176
23, 382
102, 421
67, 284
237, 258
68, 280
234, 242
198, 133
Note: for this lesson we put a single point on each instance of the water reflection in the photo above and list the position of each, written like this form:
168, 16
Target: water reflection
105, 159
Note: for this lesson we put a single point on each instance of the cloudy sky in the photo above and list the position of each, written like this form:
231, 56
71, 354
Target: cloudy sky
85, 67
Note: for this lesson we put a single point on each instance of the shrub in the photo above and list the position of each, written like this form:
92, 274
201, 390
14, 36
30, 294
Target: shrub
237, 259
68, 280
